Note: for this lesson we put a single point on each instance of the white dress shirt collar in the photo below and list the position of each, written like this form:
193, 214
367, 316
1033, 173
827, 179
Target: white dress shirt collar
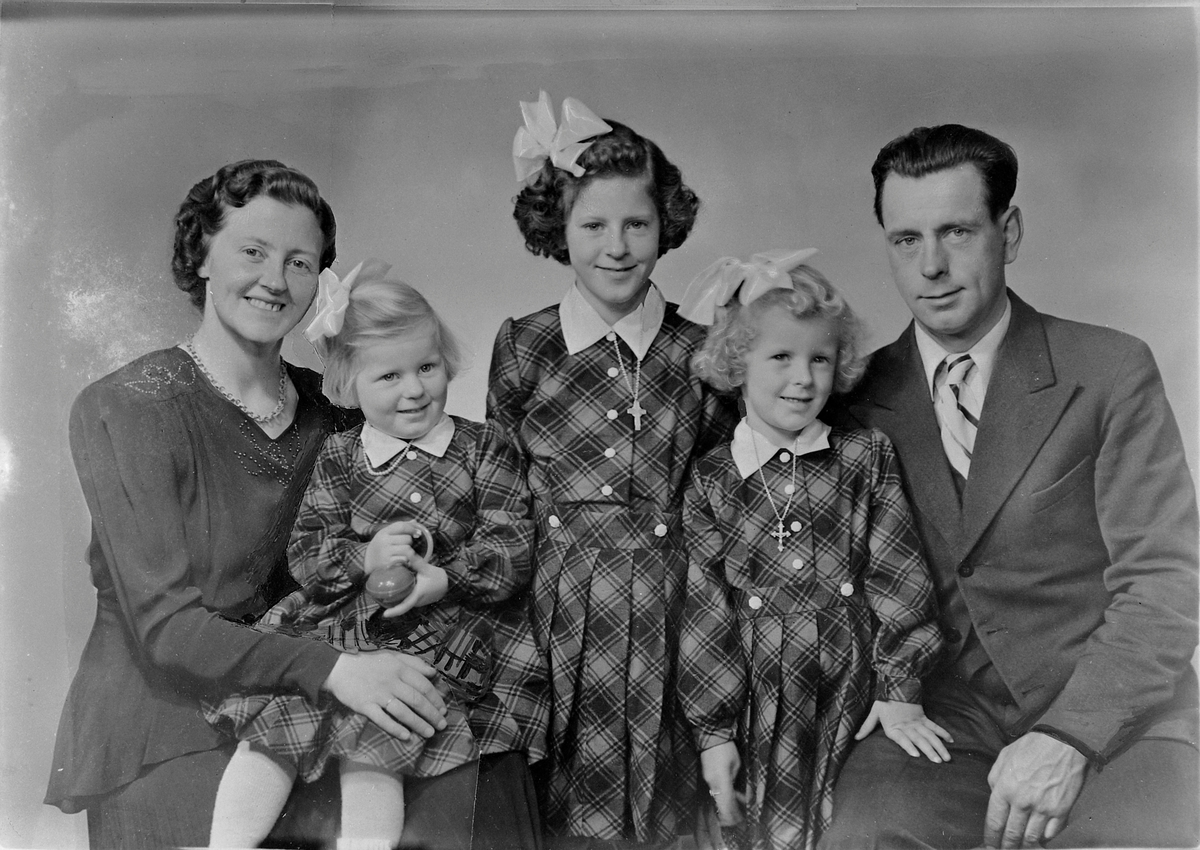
983, 352
583, 327
751, 450
380, 447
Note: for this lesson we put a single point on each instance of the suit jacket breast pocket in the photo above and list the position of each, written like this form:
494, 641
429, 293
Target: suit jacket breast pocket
1082, 475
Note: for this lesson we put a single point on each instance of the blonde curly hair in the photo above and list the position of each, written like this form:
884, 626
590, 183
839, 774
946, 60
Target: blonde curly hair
721, 362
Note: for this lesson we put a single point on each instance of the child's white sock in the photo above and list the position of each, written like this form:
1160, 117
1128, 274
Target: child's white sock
251, 795
372, 808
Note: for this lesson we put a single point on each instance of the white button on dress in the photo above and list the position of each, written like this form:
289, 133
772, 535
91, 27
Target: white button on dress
606, 490
796, 526
784, 457
612, 414
613, 371
754, 602
554, 521
798, 564
660, 530
414, 498
847, 589
610, 452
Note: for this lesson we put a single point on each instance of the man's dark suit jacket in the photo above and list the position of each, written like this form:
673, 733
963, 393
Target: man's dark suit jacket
1074, 547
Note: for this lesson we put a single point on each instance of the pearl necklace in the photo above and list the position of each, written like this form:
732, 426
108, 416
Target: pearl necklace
234, 400
635, 410
780, 531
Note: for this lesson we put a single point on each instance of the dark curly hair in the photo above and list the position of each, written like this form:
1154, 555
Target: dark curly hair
202, 214
542, 208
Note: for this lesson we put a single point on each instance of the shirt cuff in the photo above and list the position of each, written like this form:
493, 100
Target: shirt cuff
1088, 753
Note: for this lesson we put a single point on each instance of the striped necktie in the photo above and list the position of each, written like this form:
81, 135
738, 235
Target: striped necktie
957, 410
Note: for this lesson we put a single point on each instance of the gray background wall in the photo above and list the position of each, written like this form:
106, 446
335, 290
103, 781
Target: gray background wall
405, 119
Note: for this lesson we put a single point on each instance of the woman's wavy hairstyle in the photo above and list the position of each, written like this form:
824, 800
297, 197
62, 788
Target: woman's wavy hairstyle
542, 208
203, 213
721, 362
380, 308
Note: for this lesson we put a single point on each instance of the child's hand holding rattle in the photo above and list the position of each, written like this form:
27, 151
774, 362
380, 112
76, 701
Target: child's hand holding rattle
906, 724
406, 580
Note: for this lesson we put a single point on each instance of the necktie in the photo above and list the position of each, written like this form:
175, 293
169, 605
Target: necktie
957, 410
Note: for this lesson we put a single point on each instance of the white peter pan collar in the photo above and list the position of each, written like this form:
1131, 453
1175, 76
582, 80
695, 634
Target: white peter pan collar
583, 327
746, 440
380, 447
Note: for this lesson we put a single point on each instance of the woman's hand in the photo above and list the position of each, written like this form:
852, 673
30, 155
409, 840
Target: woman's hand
391, 545
906, 724
394, 690
432, 584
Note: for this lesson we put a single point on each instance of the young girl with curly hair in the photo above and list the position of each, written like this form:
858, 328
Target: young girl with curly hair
809, 612
413, 536
596, 393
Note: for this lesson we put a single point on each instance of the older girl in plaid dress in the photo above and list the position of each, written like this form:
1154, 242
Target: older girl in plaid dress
810, 612
597, 394
374, 488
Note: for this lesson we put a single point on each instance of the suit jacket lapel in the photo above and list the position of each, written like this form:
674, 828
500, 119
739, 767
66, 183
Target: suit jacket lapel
1024, 402
902, 408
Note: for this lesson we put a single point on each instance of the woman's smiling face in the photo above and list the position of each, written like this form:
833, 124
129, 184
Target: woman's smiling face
261, 270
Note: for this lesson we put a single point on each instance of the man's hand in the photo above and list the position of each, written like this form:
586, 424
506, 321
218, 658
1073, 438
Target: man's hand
1035, 781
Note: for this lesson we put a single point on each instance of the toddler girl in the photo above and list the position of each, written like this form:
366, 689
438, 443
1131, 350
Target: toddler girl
809, 609
377, 491
596, 393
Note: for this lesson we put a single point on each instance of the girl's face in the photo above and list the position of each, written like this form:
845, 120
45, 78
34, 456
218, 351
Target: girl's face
789, 373
401, 383
612, 239
261, 270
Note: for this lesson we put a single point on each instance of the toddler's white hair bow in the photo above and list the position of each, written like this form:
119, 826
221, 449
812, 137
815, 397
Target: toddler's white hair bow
540, 138
332, 297
716, 285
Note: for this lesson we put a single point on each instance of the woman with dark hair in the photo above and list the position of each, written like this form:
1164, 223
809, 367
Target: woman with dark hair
193, 461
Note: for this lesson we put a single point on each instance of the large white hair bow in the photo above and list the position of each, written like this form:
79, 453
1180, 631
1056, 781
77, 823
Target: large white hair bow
332, 297
541, 138
716, 285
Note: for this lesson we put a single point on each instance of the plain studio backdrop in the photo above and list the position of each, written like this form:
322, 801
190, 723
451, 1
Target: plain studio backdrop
405, 119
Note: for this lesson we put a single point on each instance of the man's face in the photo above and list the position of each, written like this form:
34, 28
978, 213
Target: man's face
947, 253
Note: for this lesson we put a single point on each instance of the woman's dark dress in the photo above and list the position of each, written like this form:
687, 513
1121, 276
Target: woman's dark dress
191, 507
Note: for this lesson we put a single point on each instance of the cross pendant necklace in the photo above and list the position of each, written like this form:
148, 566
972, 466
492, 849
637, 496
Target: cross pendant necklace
635, 410
780, 533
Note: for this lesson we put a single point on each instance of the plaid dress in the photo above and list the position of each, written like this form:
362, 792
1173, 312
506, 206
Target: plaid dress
784, 652
610, 570
474, 502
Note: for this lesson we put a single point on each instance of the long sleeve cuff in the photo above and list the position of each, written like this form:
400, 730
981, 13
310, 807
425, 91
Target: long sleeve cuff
898, 688
709, 738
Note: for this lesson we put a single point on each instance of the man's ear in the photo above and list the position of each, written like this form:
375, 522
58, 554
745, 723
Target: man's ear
1014, 229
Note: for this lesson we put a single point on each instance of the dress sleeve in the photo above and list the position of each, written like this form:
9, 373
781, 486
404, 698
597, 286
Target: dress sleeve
507, 392
712, 666
1146, 507
898, 585
139, 484
325, 555
495, 561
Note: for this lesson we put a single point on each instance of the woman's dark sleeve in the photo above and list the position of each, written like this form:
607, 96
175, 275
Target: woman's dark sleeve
132, 460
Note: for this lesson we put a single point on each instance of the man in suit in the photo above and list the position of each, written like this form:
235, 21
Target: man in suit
1049, 483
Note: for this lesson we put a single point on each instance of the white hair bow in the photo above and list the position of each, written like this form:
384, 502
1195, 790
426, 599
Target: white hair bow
540, 138
332, 297
716, 285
